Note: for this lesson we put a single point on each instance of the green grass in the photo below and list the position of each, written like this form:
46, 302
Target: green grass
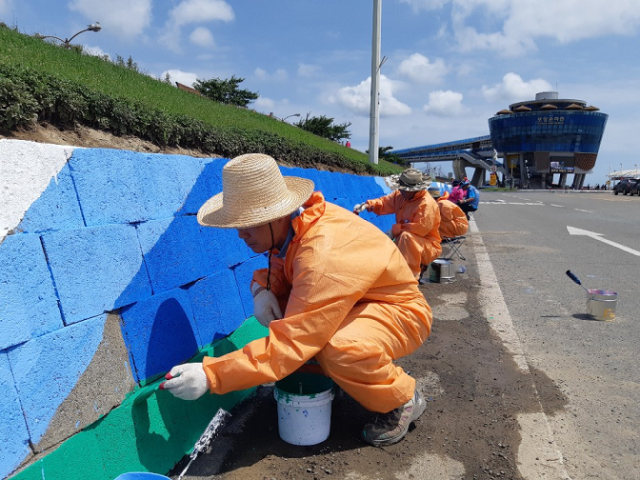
105, 77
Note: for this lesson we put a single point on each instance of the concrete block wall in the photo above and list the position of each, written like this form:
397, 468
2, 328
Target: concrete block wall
106, 282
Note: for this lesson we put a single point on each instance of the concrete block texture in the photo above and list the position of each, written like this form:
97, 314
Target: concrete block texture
48, 368
28, 300
244, 275
172, 252
223, 248
217, 307
117, 186
14, 436
56, 209
26, 170
96, 269
160, 332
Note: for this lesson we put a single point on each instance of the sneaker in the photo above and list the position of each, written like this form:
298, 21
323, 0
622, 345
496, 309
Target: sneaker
390, 428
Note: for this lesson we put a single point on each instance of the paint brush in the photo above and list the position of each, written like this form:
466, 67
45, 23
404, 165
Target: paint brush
145, 392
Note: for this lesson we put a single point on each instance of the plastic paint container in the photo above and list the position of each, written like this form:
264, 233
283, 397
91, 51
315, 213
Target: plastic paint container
304, 408
141, 476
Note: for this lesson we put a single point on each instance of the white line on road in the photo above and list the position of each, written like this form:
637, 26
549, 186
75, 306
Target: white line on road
584, 211
598, 236
538, 458
557, 206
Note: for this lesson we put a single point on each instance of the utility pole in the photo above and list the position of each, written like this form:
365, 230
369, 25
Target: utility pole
375, 80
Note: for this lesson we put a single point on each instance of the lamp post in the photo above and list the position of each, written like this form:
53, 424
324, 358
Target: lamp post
292, 115
620, 176
94, 27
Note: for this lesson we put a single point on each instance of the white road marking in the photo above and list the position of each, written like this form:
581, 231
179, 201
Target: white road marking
598, 236
538, 458
557, 206
584, 211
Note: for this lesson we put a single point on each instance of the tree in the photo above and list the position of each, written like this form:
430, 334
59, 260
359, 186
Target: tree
225, 91
384, 153
323, 127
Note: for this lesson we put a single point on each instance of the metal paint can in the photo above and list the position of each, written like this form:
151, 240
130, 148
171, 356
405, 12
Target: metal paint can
441, 269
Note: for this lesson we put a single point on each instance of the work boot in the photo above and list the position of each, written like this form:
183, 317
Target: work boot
390, 428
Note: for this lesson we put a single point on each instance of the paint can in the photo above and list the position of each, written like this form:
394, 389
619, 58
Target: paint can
141, 476
441, 269
304, 408
601, 304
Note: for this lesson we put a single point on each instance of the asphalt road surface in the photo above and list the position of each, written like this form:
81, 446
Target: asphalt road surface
519, 382
594, 364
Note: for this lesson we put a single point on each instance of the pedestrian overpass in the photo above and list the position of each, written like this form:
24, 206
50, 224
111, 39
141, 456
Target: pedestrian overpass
477, 153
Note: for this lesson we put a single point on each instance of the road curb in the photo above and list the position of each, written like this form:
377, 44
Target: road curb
538, 457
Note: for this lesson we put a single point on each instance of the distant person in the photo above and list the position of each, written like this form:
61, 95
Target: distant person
472, 199
457, 193
453, 221
417, 218
348, 144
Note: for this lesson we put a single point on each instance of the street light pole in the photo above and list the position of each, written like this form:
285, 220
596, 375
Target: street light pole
375, 80
620, 172
94, 27
292, 115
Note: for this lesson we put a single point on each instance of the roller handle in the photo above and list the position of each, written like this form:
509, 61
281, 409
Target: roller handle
573, 277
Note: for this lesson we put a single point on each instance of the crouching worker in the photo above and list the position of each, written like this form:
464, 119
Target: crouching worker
417, 218
348, 298
453, 221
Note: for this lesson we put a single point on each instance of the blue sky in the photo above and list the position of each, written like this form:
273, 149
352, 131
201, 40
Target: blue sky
451, 64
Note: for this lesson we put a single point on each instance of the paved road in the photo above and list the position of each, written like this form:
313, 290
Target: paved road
594, 364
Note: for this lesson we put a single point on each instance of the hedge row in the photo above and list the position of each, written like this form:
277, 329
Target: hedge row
28, 96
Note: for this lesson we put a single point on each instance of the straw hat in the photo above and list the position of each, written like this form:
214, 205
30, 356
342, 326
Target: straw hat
410, 180
434, 190
254, 193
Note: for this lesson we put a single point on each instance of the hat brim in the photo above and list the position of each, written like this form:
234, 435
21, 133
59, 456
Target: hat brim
214, 214
394, 182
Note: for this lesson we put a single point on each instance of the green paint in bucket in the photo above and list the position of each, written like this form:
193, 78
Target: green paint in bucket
304, 408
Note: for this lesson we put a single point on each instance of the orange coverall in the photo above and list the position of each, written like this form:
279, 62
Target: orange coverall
416, 227
351, 302
453, 221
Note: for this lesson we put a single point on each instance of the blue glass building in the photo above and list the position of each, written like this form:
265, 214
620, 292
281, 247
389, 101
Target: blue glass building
547, 136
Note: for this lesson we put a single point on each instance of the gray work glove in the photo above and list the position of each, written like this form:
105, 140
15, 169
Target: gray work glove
265, 305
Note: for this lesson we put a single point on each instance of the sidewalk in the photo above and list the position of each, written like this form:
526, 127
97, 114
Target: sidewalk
483, 418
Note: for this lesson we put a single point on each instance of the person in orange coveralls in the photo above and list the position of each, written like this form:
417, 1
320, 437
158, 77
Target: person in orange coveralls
417, 218
348, 297
453, 221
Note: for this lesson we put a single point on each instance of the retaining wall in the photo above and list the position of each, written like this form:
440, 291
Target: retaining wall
106, 282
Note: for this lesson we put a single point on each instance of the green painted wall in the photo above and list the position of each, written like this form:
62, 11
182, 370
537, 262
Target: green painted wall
151, 435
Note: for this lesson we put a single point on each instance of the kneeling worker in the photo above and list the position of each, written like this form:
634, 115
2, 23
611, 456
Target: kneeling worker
417, 218
348, 297
453, 221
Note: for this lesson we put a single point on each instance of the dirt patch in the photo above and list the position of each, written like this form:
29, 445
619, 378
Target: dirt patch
82, 136
474, 392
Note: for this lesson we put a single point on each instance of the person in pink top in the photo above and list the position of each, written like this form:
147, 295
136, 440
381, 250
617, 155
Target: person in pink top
457, 193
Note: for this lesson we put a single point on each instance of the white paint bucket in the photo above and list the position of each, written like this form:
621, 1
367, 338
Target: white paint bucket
304, 408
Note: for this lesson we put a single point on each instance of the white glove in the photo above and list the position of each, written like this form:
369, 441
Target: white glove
360, 207
187, 381
265, 305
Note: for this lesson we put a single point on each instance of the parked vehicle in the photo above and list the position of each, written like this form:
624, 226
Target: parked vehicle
635, 189
625, 185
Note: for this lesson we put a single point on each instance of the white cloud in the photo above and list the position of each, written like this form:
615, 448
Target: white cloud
513, 88
185, 78
418, 68
279, 75
95, 51
306, 71
358, 98
120, 18
517, 25
190, 12
444, 104
202, 37
264, 103
5, 7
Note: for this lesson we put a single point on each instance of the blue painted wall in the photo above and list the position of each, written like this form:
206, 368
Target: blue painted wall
116, 232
